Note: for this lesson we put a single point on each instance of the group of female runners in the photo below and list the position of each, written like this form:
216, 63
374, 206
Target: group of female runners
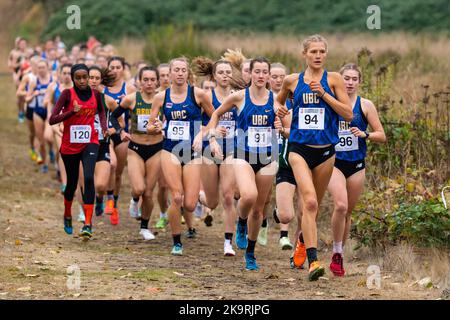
227, 141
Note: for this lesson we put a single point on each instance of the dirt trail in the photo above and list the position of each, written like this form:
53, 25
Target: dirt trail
35, 252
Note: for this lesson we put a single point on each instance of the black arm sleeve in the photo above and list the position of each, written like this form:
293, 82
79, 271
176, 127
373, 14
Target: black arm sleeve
115, 115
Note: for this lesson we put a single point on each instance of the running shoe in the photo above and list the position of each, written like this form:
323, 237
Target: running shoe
291, 262
228, 249
44, 169
39, 159
68, 225
177, 249
262, 235
114, 218
182, 220
250, 262
109, 208
52, 157
99, 207
337, 265
315, 271
162, 223
191, 233
208, 220
299, 254
86, 232
147, 234
285, 244
81, 216
241, 236
198, 210
134, 209
33, 155
21, 117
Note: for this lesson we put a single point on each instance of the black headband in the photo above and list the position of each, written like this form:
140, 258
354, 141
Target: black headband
76, 67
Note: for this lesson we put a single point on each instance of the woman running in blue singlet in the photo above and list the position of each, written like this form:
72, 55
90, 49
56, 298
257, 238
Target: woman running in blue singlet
319, 98
347, 181
181, 105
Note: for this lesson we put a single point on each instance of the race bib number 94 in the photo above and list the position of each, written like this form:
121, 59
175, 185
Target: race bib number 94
259, 136
80, 134
347, 141
311, 118
178, 130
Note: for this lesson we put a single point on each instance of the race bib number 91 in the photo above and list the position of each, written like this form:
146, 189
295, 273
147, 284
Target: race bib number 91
80, 134
259, 136
178, 130
311, 118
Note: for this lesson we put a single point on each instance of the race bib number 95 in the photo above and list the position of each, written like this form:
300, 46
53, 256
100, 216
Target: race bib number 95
178, 130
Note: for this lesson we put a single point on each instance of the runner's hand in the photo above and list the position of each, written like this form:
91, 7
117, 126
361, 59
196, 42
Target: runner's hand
198, 142
358, 133
125, 136
282, 111
317, 88
76, 106
222, 131
278, 124
216, 150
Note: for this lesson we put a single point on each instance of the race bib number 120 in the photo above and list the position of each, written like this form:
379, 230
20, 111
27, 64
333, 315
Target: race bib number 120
80, 134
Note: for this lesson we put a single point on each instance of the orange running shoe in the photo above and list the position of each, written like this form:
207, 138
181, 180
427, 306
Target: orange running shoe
109, 206
299, 254
114, 219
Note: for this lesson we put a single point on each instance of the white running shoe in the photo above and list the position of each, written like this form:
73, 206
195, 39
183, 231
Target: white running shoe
147, 234
228, 249
134, 209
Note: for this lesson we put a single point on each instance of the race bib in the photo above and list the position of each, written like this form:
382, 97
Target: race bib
142, 122
98, 127
230, 126
259, 136
178, 130
80, 134
347, 141
311, 118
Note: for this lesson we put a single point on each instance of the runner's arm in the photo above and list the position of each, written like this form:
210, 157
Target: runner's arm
62, 103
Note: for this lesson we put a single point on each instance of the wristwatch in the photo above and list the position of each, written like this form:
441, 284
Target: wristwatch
367, 134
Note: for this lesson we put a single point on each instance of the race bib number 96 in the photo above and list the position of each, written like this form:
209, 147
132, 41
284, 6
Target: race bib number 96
311, 118
347, 142
259, 136
80, 134
178, 130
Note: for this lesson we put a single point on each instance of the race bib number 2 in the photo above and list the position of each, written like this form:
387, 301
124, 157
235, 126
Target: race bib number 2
178, 130
80, 134
259, 136
142, 122
311, 118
